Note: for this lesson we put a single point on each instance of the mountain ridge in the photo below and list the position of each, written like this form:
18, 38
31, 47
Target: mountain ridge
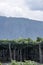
12, 28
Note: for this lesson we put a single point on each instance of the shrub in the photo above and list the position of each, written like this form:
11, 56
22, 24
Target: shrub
0, 63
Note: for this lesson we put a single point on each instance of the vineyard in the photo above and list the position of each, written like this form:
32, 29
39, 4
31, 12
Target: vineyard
21, 50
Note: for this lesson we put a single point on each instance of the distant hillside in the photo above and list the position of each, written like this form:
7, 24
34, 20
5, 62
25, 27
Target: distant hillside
11, 28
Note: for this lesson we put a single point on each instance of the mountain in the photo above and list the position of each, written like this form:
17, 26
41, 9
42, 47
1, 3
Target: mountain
12, 28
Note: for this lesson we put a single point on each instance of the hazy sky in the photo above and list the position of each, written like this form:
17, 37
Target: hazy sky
32, 9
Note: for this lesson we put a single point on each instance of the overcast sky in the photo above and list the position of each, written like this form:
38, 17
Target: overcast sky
32, 9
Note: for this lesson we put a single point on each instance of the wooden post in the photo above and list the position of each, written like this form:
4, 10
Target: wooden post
40, 53
24, 55
20, 54
4, 55
14, 54
10, 52
27, 52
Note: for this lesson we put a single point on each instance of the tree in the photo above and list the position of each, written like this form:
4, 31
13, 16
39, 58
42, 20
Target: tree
39, 39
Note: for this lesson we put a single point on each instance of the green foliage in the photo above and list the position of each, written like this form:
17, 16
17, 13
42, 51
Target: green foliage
39, 39
20, 43
0, 63
13, 63
24, 63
